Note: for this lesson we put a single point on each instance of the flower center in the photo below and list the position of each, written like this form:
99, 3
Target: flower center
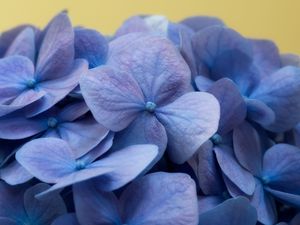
52, 122
265, 179
31, 83
216, 139
150, 107
80, 164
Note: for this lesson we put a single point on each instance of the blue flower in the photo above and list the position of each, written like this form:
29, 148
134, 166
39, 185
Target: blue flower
64, 166
148, 98
157, 198
269, 88
34, 77
18, 205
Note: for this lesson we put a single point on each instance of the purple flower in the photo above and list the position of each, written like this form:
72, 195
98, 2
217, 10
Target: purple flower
270, 89
35, 77
65, 166
18, 205
157, 198
147, 99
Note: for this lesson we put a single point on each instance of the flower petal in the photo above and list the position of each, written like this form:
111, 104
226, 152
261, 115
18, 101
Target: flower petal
163, 75
161, 198
287, 198
235, 211
90, 45
232, 104
281, 168
189, 121
113, 97
44, 210
53, 152
12, 127
82, 135
94, 206
23, 44
259, 112
69, 219
206, 169
224, 53
233, 171
7, 221
264, 204
281, 92
57, 89
73, 111
247, 148
56, 54
200, 22
14, 174
135, 158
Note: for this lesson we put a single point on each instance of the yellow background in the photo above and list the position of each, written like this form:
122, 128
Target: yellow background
273, 19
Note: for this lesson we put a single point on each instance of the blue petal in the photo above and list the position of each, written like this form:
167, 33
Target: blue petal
144, 201
198, 23
281, 92
236, 211
113, 97
69, 219
14, 174
189, 121
90, 45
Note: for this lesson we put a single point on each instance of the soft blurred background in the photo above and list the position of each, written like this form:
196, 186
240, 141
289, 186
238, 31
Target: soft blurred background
278, 20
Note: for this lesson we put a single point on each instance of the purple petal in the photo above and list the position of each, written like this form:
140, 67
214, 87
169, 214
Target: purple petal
94, 206
90, 45
189, 121
135, 158
57, 89
82, 135
145, 129
281, 92
200, 22
206, 169
113, 97
56, 53
206, 203
14, 174
144, 201
281, 168
163, 75
233, 171
203, 83
232, 104
287, 198
266, 56
23, 44
131, 25
222, 52
259, 112
264, 204
13, 127
53, 152
44, 210
69, 219
73, 111
234, 211
99, 150
247, 148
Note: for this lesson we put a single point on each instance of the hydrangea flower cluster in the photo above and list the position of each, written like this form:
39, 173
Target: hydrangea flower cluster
162, 123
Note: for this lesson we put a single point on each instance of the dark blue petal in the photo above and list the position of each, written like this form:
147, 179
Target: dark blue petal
198, 23
66, 219
236, 211
90, 45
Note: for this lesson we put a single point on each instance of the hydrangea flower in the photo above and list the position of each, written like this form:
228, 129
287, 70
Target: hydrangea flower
130, 94
35, 77
256, 69
65, 166
261, 174
18, 205
157, 198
